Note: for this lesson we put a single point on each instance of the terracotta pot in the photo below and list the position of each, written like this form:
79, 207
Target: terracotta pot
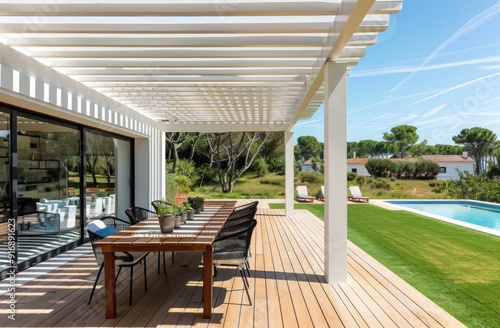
198, 210
179, 199
190, 214
177, 221
167, 223
184, 218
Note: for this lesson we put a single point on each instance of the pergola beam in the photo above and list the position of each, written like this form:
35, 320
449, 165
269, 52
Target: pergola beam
355, 18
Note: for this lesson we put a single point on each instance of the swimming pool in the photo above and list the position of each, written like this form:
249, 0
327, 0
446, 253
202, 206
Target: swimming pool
477, 215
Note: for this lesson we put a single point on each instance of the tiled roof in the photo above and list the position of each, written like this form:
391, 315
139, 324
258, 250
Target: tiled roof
434, 158
309, 162
448, 158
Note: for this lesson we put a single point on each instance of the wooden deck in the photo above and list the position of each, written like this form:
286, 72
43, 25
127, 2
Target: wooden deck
287, 290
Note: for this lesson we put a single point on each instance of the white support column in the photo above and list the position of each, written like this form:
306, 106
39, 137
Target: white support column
289, 173
335, 173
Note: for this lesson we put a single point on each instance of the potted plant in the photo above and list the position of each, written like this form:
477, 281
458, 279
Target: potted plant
197, 204
189, 211
178, 214
183, 211
166, 218
182, 183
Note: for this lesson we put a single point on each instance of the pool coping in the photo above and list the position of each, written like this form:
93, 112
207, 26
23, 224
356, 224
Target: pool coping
385, 203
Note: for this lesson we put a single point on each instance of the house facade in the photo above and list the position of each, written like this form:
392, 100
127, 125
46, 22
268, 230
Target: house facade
307, 166
448, 164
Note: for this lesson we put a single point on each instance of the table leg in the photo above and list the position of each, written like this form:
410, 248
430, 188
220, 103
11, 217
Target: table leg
109, 284
207, 282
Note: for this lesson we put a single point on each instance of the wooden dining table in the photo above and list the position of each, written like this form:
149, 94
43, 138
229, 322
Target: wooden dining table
196, 235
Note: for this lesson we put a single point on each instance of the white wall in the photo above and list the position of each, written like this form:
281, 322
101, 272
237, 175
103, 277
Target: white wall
83, 105
306, 168
451, 170
360, 167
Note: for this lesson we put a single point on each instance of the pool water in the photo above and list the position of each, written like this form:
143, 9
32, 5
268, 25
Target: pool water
481, 214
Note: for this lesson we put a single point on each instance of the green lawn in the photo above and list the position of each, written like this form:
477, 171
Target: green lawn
273, 186
456, 267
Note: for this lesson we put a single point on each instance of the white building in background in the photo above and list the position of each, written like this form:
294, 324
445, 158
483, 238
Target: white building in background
448, 163
307, 166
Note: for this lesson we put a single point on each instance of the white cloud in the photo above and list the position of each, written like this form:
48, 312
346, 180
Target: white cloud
471, 25
434, 110
490, 68
306, 123
453, 88
407, 69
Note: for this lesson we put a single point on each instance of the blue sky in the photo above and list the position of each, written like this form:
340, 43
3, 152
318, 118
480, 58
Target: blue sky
436, 67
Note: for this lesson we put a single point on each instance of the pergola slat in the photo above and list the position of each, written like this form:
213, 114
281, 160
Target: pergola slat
201, 57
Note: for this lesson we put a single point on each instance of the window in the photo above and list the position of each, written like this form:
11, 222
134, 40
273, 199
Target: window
48, 189
443, 169
354, 170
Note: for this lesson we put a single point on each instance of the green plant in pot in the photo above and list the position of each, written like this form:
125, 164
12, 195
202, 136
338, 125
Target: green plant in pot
189, 211
183, 213
166, 218
178, 215
198, 204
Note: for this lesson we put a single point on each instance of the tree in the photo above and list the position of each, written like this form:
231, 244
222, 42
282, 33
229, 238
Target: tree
478, 142
309, 147
175, 140
352, 147
234, 153
403, 137
366, 147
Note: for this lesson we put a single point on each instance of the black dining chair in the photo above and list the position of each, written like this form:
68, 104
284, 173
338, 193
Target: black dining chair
100, 229
231, 248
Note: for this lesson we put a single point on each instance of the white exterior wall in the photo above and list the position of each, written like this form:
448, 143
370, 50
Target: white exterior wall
360, 167
306, 168
68, 99
451, 170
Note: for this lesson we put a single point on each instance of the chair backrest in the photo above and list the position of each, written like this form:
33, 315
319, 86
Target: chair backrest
157, 203
234, 242
98, 229
355, 191
137, 214
247, 205
302, 191
244, 211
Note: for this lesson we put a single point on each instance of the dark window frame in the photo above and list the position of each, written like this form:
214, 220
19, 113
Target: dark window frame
14, 113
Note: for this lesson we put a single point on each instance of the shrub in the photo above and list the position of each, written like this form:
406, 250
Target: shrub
477, 187
206, 175
378, 167
259, 166
186, 168
392, 179
351, 176
310, 177
183, 183
360, 180
277, 165
427, 169
381, 183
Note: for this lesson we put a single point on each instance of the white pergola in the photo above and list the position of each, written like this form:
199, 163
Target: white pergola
199, 66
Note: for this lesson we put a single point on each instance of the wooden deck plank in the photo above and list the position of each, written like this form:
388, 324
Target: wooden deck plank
289, 319
314, 272
273, 300
313, 307
287, 289
299, 303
